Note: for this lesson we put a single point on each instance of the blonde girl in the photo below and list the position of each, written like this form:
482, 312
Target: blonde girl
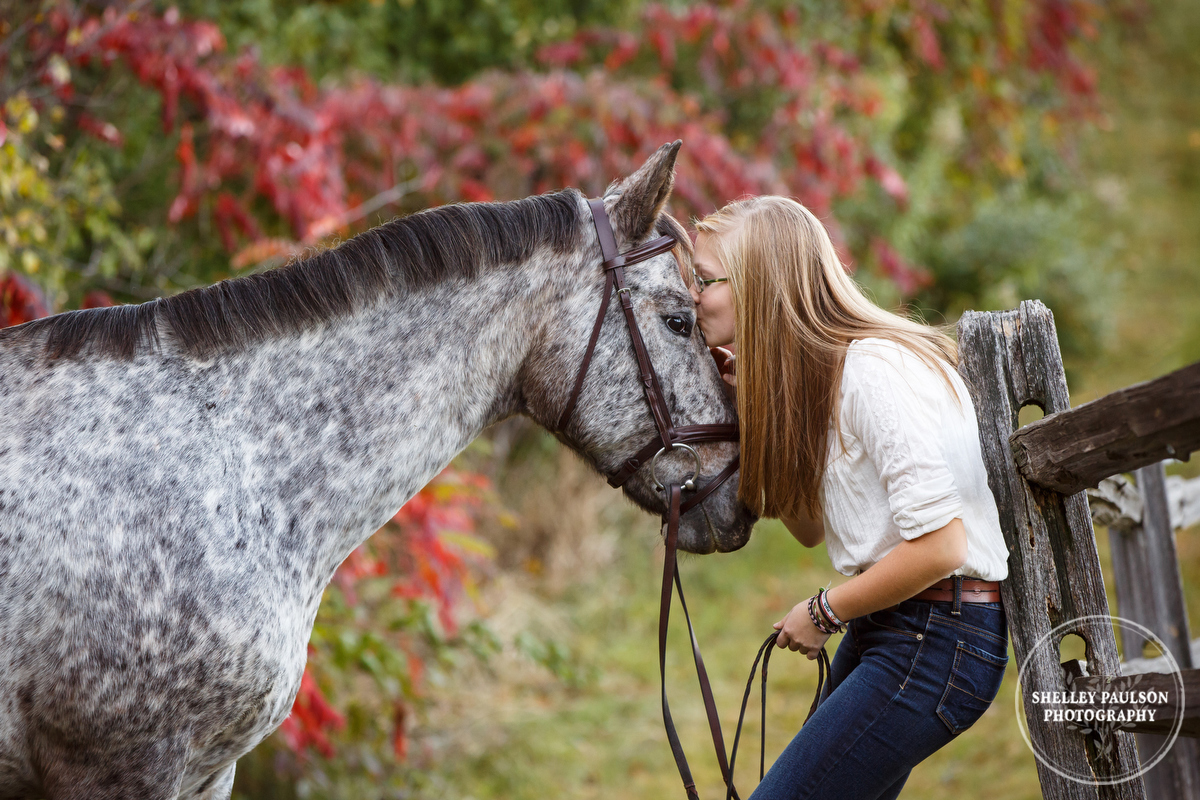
857, 431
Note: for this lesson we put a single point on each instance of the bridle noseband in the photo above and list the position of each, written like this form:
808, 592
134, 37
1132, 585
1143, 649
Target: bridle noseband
669, 437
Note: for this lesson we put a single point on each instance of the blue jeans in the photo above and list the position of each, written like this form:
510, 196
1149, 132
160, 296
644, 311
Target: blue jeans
903, 683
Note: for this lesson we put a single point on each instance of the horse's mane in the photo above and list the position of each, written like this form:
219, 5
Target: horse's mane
443, 243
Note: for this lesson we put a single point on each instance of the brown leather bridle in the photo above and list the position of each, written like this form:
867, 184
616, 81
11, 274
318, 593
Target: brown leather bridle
669, 437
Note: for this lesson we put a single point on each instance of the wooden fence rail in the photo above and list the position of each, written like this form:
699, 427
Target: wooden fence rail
1133, 427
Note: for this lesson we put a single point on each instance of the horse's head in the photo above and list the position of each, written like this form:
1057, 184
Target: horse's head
611, 419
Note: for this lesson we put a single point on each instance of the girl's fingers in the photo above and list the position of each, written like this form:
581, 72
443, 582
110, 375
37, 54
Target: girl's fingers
726, 361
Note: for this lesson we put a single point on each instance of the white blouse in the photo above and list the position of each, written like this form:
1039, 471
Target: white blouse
912, 463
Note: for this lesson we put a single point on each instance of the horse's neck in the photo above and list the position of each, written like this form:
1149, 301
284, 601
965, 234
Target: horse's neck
340, 427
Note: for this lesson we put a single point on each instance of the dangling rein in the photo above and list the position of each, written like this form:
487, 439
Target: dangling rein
671, 579
670, 437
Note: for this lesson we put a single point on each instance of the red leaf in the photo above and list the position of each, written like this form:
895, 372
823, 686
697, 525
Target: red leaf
626, 49
104, 131
907, 277
889, 179
20, 300
97, 299
311, 718
475, 191
400, 737
561, 54
927, 47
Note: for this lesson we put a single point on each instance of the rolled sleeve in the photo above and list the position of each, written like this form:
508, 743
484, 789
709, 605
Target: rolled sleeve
926, 506
894, 410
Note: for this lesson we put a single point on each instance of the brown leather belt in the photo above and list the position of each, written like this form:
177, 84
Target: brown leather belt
974, 590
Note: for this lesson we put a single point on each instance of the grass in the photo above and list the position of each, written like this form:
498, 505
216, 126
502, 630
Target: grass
515, 730
606, 738
529, 734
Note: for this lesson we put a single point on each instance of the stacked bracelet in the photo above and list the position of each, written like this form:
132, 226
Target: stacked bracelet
822, 615
819, 618
823, 599
821, 626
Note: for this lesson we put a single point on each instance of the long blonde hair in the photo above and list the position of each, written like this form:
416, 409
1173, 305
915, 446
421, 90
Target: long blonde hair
797, 311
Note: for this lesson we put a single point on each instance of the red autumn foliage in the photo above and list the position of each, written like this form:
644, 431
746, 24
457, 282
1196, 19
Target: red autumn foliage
400, 735
436, 567
908, 277
312, 716
96, 299
255, 137
428, 554
20, 300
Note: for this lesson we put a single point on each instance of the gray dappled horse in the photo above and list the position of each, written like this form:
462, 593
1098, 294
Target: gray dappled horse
180, 479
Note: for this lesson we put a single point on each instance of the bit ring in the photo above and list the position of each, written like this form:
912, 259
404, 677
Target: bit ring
690, 484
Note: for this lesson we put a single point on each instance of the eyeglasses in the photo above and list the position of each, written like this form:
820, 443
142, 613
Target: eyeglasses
700, 283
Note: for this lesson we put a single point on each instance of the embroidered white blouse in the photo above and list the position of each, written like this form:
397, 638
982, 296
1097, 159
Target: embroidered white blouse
912, 463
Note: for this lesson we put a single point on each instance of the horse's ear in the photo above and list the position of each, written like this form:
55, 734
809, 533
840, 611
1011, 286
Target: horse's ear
635, 203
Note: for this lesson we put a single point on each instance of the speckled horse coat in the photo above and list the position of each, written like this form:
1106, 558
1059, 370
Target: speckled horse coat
180, 479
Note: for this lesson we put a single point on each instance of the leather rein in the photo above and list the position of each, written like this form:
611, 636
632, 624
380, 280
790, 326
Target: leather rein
670, 437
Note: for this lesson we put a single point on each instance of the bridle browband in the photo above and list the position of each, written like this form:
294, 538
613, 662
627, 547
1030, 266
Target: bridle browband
669, 437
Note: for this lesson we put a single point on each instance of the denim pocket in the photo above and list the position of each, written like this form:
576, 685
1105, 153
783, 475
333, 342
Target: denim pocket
975, 680
897, 621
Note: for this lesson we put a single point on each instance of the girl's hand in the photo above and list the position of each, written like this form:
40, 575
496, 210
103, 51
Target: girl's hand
797, 632
726, 364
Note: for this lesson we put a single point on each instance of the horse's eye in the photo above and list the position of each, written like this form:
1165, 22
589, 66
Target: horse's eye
678, 324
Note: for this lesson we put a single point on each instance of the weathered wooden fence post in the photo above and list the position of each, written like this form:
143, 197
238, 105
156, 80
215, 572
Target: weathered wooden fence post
1010, 359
